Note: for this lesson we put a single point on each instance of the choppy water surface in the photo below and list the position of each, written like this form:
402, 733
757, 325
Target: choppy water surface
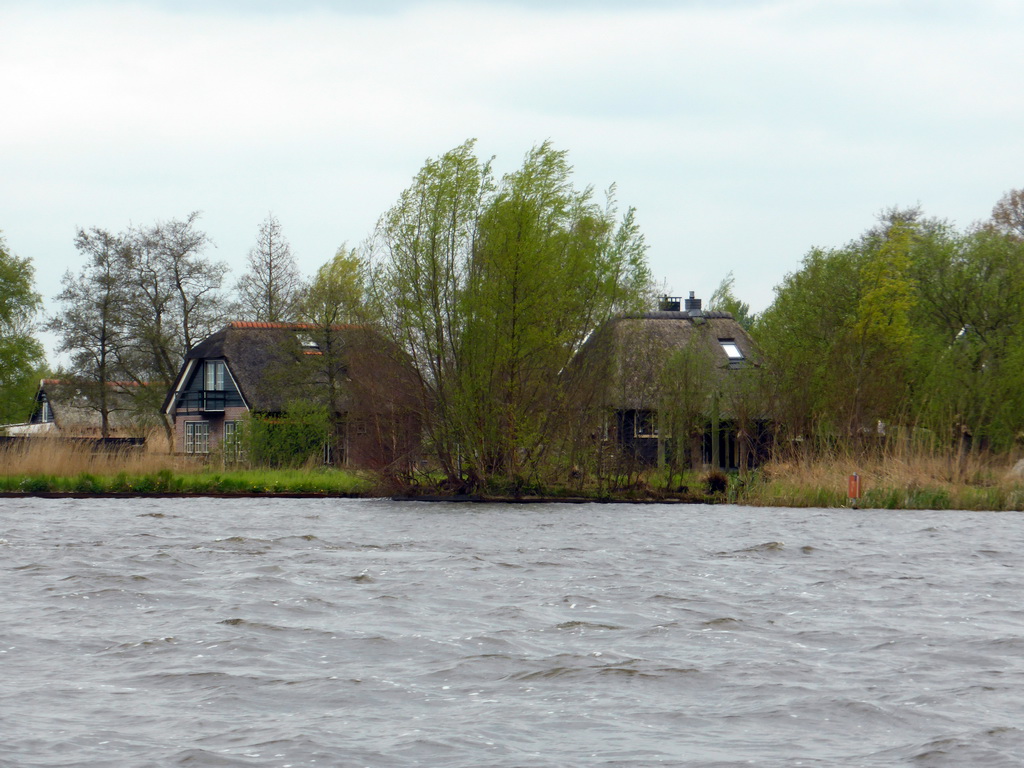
280, 632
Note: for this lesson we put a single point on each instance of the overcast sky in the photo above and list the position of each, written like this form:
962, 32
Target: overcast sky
745, 132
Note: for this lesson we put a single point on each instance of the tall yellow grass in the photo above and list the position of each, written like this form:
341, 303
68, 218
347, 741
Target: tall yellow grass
44, 456
898, 478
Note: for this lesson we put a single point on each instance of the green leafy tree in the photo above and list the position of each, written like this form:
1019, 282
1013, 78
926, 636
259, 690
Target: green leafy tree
839, 336
491, 288
335, 297
969, 320
551, 265
723, 299
21, 355
912, 328
337, 293
291, 439
423, 247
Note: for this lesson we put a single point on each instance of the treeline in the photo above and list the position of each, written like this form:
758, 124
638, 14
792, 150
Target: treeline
142, 299
913, 331
490, 286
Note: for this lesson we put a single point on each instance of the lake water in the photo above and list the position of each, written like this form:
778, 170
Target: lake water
281, 632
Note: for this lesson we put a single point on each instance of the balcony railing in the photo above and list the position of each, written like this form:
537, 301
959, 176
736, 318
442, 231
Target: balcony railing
199, 401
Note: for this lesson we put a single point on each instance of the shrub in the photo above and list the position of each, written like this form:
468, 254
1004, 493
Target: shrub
289, 440
716, 481
86, 483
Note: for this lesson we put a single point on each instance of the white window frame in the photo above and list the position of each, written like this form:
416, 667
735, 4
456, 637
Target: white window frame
197, 437
214, 375
307, 341
233, 440
214, 380
732, 351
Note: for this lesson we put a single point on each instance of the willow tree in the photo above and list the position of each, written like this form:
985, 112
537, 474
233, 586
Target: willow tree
491, 287
551, 265
422, 249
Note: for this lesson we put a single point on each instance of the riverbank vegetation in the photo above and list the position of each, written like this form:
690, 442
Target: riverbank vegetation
899, 355
892, 481
44, 466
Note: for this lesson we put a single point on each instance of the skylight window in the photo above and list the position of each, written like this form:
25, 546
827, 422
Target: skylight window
731, 350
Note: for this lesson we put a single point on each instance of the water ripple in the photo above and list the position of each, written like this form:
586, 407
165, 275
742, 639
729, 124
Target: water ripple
315, 632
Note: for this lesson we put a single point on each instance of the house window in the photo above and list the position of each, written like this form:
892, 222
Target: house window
197, 437
731, 350
47, 415
213, 385
233, 441
214, 376
645, 424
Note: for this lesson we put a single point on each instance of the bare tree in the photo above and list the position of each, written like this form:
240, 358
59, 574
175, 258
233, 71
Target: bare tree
176, 298
91, 322
270, 289
144, 298
195, 281
1008, 213
175, 302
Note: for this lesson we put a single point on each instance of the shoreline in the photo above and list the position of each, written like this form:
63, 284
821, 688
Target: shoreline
426, 499
501, 500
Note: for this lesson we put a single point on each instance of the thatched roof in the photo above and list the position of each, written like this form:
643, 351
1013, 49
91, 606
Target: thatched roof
628, 355
258, 356
76, 411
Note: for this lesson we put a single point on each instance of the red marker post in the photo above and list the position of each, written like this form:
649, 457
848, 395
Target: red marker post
853, 489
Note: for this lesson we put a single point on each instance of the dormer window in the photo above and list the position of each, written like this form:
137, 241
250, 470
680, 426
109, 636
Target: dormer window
307, 341
733, 352
213, 376
214, 397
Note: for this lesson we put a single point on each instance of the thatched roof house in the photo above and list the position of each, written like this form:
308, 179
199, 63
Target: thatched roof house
262, 368
677, 370
68, 408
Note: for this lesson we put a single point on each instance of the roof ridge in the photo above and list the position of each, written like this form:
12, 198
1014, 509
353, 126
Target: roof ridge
126, 383
259, 325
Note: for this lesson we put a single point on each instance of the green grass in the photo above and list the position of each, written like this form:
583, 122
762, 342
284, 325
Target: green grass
753, 489
295, 481
779, 493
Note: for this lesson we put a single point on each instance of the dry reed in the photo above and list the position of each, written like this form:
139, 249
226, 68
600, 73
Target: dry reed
56, 457
897, 478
